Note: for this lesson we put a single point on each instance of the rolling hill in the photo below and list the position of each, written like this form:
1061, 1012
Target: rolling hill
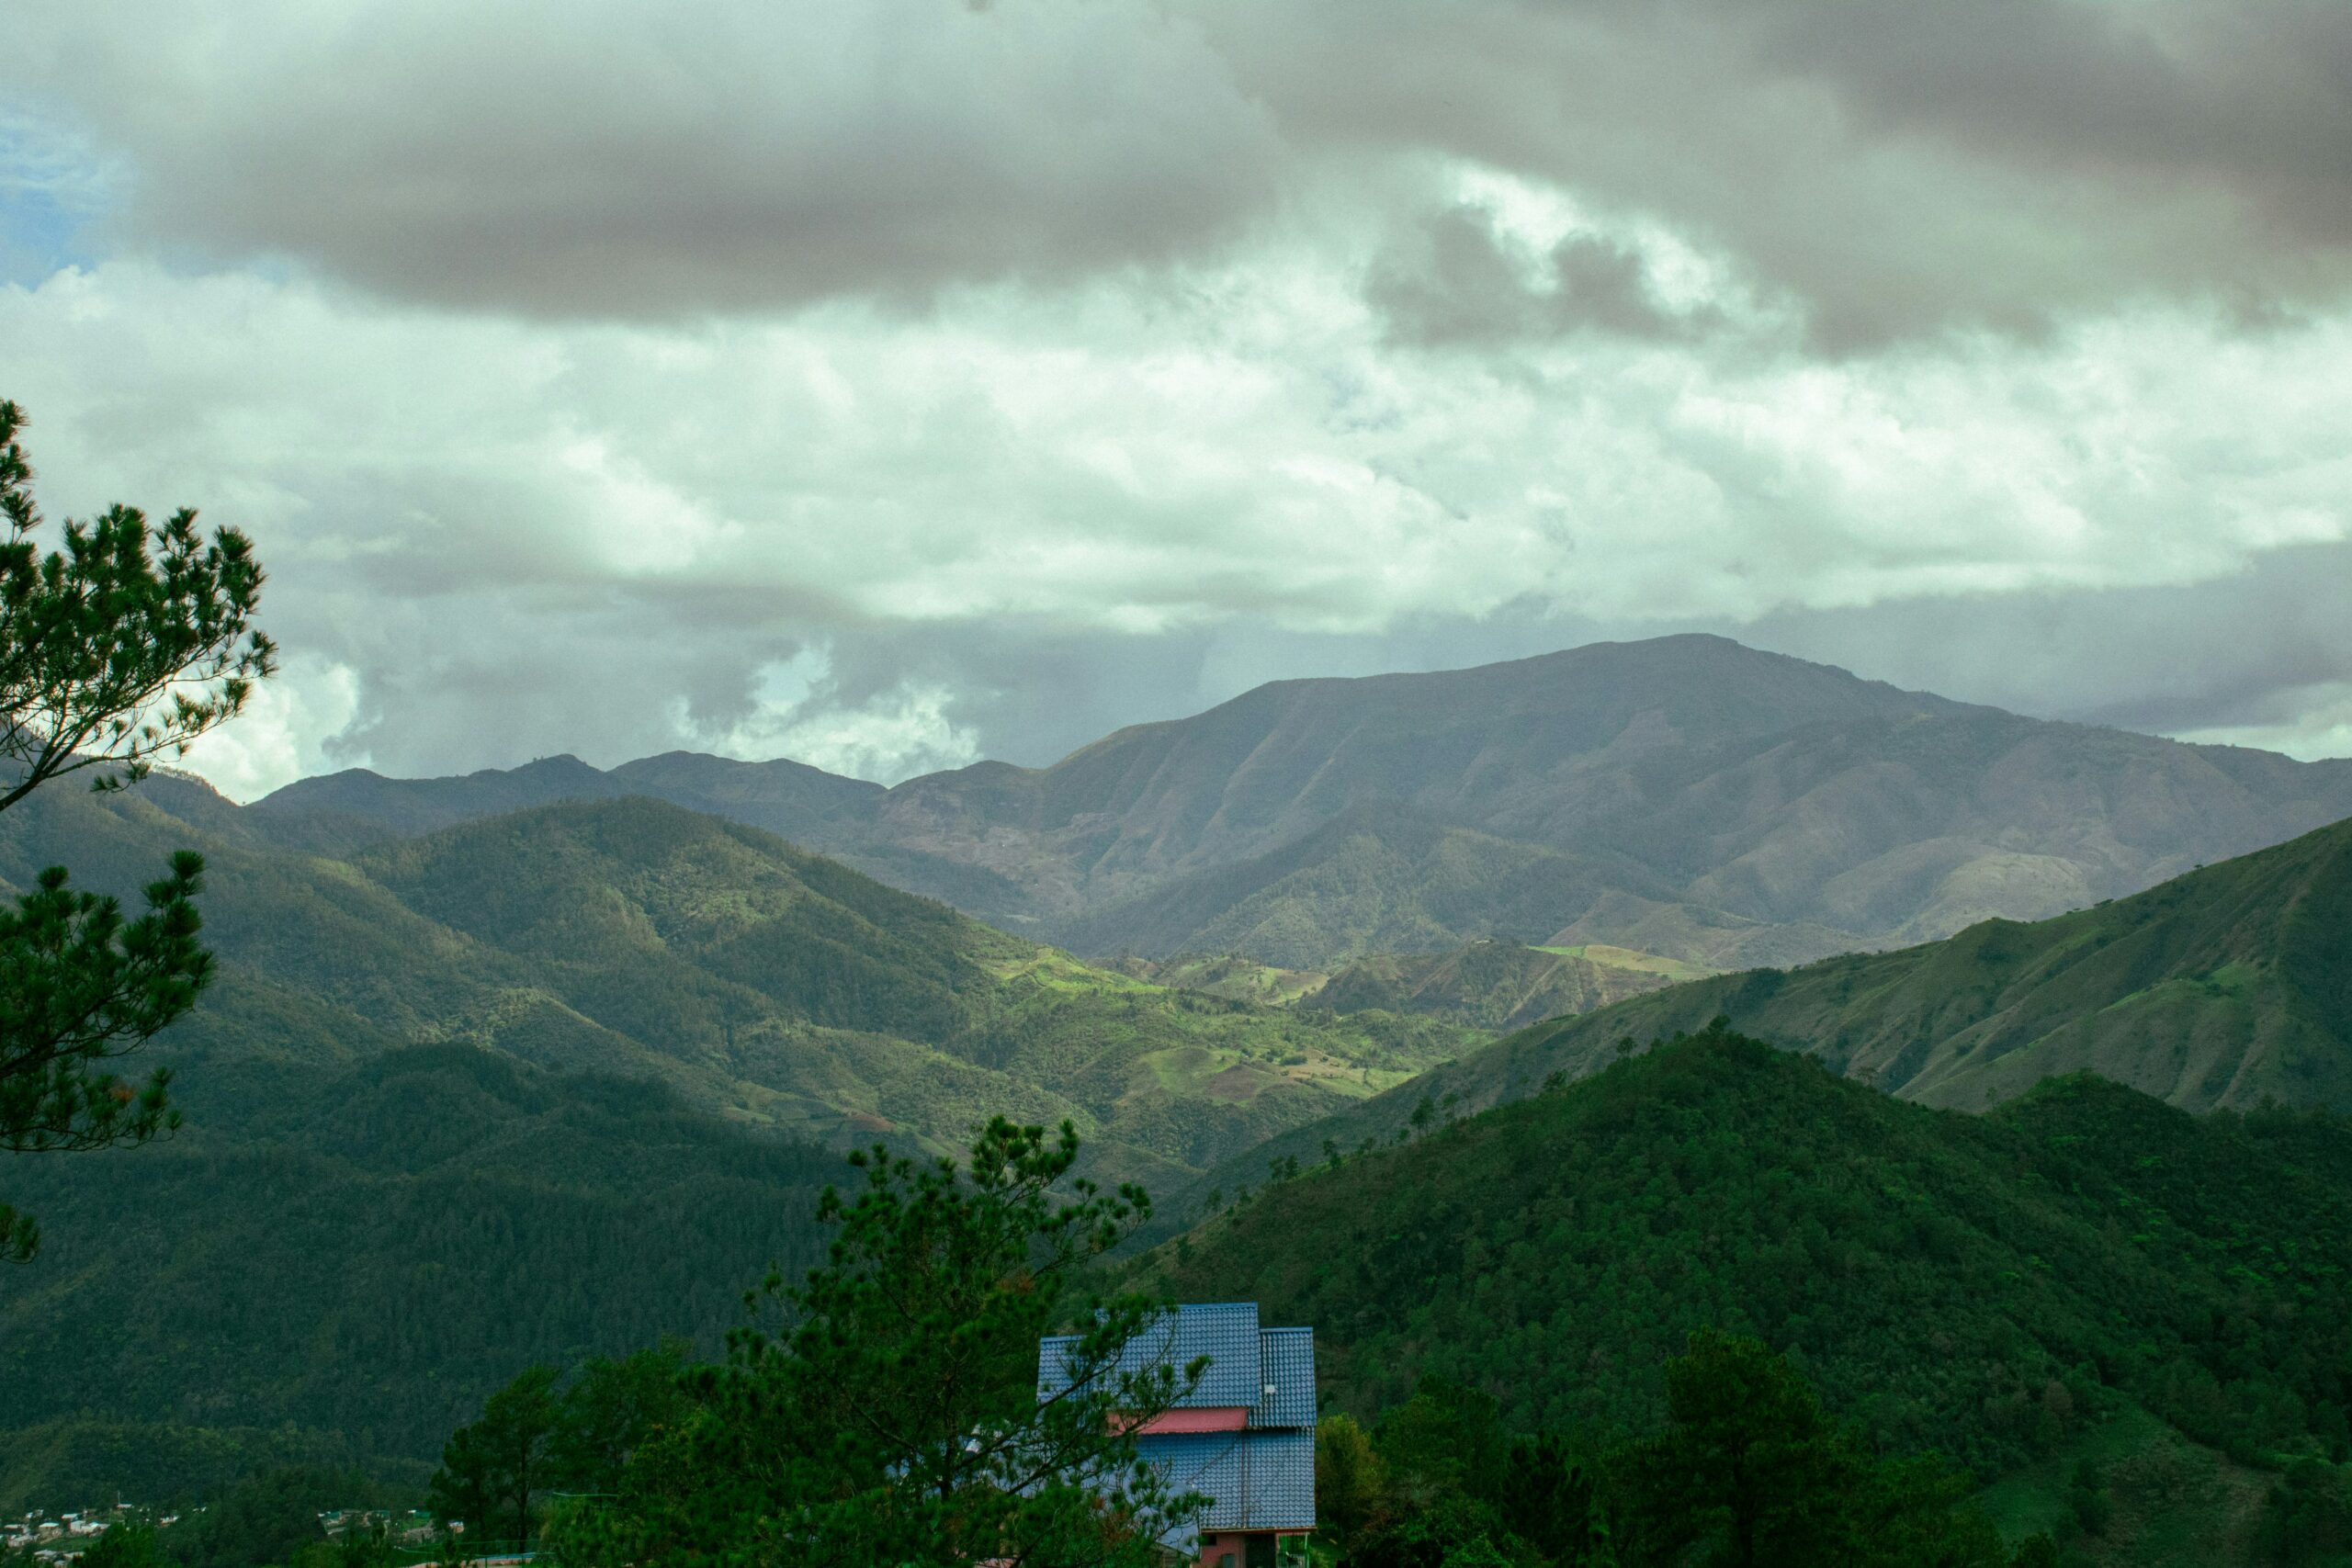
1686, 796
2222, 989
757, 980
2083, 1271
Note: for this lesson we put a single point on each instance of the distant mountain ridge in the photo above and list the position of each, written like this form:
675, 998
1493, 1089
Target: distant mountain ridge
1685, 795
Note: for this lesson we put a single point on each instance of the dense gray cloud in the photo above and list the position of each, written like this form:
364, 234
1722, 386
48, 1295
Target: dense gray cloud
1451, 281
1893, 168
604, 158
2247, 96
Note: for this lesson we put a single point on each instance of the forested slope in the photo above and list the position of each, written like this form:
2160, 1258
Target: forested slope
2228, 986
1983, 1285
755, 978
342, 1262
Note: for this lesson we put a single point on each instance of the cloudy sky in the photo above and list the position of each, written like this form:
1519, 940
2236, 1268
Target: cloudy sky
890, 383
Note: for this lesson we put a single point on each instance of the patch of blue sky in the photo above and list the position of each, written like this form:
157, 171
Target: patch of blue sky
53, 191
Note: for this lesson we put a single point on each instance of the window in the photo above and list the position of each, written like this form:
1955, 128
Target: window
1291, 1552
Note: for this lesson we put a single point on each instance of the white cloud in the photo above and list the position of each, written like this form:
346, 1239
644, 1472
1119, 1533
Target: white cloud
285, 732
458, 509
892, 734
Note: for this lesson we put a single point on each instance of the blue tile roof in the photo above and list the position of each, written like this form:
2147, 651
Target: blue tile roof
1226, 1332
1256, 1481
1286, 1365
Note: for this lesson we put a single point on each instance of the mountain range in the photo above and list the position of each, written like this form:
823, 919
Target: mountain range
1684, 796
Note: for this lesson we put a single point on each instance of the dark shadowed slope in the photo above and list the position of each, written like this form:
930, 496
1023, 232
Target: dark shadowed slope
343, 1261
1684, 795
1377, 878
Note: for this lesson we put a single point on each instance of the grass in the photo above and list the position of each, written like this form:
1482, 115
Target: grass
2171, 1503
1607, 957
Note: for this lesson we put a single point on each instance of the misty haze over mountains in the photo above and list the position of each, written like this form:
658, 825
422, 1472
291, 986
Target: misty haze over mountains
1685, 795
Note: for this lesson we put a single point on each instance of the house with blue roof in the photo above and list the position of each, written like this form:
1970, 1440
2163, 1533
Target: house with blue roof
1243, 1436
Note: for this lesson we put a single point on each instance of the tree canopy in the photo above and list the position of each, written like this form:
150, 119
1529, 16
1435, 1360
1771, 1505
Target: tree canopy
886, 1408
124, 645
1748, 1470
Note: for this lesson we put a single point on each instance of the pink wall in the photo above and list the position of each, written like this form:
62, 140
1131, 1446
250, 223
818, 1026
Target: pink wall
1218, 1418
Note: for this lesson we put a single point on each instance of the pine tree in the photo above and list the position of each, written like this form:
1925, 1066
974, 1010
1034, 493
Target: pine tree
492, 1468
123, 646
893, 1414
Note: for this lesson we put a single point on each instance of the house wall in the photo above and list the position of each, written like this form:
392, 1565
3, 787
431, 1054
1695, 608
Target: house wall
1230, 1549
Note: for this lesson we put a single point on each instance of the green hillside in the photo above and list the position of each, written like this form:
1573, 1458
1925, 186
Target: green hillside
341, 1263
775, 986
2006, 1287
540, 1085
2226, 988
1233, 975
809, 989
2223, 988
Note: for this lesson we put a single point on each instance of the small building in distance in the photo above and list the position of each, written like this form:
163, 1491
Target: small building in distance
1244, 1436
